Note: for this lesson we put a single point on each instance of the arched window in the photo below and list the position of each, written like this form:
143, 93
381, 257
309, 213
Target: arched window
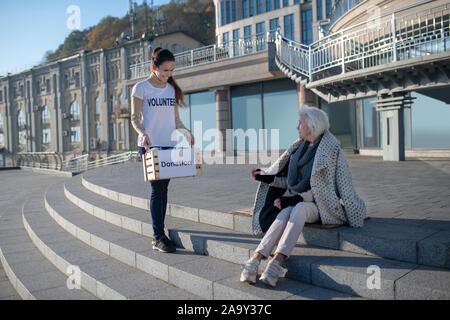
74, 111
46, 115
121, 131
21, 118
97, 106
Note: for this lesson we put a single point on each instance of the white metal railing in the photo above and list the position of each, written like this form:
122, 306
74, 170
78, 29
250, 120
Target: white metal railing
211, 53
77, 164
118, 158
367, 45
45, 160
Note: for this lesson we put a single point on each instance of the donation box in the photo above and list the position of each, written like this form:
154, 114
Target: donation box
171, 163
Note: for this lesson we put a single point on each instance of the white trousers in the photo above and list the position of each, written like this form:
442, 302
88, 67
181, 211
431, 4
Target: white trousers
287, 227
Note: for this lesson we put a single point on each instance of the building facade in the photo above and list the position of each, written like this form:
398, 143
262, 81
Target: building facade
80, 104
237, 98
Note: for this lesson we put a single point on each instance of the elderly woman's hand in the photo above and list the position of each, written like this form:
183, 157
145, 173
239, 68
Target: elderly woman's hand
255, 172
266, 178
277, 203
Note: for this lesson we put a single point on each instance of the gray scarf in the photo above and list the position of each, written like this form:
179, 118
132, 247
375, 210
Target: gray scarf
300, 167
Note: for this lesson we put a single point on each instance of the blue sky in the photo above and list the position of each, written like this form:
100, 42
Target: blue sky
28, 28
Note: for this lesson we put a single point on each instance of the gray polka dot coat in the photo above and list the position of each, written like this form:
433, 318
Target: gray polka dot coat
331, 186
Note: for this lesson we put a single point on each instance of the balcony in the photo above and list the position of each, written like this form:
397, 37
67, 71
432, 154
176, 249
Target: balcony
209, 54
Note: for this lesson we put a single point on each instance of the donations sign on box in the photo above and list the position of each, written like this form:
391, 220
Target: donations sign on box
172, 163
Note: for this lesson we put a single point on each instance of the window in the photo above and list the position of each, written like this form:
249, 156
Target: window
233, 10
45, 115
260, 36
22, 137
319, 9
46, 136
259, 8
268, 5
245, 9
97, 106
273, 25
236, 49
248, 39
112, 103
328, 7
121, 131
296, 1
285, 3
75, 134
47, 84
228, 12
225, 40
252, 8
113, 131
1, 96
307, 36
21, 118
289, 27
77, 79
97, 131
276, 4
175, 48
222, 13
202, 105
1, 121
2, 140
75, 111
121, 99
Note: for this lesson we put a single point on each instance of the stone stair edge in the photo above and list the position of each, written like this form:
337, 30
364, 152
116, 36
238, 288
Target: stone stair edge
340, 239
61, 264
99, 287
133, 261
221, 250
175, 210
220, 247
21, 290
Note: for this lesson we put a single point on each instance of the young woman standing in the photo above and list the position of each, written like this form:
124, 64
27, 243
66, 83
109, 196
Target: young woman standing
155, 117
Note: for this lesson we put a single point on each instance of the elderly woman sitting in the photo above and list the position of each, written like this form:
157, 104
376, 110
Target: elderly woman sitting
318, 189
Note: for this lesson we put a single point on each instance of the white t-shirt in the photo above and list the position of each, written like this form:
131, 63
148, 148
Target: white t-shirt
158, 113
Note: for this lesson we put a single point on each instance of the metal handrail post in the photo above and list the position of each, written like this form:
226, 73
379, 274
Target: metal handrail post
342, 54
309, 64
394, 39
290, 55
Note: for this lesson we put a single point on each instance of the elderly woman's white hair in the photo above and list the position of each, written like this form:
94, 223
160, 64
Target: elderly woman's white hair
316, 119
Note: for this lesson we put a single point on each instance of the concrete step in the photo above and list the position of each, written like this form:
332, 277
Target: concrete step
308, 264
101, 275
205, 276
379, 237
7, 291
30, 275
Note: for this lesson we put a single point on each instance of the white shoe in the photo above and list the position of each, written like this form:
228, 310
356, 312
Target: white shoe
250, 271
272, 273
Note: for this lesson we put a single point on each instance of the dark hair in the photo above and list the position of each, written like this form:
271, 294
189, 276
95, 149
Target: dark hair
159, 56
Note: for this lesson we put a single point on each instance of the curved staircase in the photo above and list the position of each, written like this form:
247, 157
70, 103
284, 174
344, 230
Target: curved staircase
85, 222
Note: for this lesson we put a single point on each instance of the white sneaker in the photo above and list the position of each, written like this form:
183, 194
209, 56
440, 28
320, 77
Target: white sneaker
272, 273
250, 271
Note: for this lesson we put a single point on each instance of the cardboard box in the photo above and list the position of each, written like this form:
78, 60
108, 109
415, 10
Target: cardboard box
172, 163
